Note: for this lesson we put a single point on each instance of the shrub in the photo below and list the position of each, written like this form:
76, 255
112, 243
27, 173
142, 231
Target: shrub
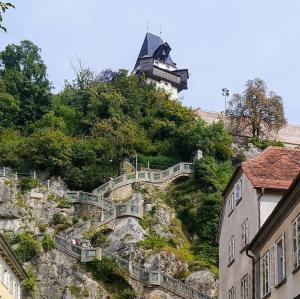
29, 284
58, 218
263, 144
154, 241
42, 227
110, 274
27, 184
48, 243
28, 247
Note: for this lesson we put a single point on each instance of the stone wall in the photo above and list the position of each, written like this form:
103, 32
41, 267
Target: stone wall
289, 135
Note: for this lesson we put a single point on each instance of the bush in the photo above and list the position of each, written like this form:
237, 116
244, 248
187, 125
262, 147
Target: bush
110, 274
27, 247
58, 218
153, 241
48, 243
27, 184
263, 144
29, 284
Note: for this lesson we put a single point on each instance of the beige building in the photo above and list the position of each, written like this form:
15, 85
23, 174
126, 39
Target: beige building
276, 250
289, 135
11, 273
253, 192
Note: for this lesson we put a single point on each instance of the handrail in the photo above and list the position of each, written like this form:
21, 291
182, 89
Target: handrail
146, 276
118, 211
156, 177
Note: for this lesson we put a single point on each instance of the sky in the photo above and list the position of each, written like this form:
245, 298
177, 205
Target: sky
222, 43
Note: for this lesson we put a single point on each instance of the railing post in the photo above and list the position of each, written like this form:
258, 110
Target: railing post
48, 185
4, 171
16, 176
34, 175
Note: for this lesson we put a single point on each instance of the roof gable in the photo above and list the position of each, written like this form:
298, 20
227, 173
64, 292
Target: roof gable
150, 45
274, 168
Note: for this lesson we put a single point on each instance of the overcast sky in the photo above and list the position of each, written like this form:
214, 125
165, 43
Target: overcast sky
222, 43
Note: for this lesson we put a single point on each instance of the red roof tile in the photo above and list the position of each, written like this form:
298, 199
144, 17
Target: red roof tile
274, 168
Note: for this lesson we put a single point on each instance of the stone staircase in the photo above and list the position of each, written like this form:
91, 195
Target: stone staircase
148, 278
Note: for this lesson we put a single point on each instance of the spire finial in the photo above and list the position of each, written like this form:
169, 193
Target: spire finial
148, 24
160, 30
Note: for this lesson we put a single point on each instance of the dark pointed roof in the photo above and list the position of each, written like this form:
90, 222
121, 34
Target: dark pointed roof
150, 45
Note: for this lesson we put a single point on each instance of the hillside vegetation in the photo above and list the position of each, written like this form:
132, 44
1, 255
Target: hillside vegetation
84, 132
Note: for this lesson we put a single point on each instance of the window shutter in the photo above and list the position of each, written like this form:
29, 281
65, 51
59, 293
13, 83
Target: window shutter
273, 278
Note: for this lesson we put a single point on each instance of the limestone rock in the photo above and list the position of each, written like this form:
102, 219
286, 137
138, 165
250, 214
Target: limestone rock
203, 281
127, 231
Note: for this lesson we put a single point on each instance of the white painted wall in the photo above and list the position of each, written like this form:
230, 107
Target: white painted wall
164, 65
267, 203
166, 86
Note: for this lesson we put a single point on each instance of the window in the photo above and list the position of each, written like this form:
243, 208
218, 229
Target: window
245, 233
296, 242
231, 249
280, 260
238, 191
230, 203
245, 287
231, 293
265, 274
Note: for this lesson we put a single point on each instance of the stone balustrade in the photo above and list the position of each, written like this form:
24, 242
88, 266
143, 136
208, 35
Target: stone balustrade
149, 176
118, 211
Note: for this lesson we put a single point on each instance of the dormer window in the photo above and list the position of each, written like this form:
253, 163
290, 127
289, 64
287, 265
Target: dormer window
238, 191
230, 203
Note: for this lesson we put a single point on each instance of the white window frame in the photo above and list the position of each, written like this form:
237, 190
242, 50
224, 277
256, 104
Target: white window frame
231, 293
245, 233
238, 191
296, 242
265, 274
245, 287
231, 249
280, 261
230, 203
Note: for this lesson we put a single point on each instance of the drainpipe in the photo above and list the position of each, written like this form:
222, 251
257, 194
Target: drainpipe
253, 272
258, 198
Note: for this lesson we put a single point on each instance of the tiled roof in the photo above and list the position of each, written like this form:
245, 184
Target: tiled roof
274, 168
150, 44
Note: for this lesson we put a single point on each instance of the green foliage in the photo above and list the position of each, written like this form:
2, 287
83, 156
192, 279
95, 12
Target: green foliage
29, 284
27, 184
153, 241
27, 247
24, 74
263, 144
62, 202
58, 218
110, 274
3, 7
48, 243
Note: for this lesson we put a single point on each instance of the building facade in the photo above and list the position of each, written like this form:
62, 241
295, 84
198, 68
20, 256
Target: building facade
289, 134
11, 273
253, 192
276, 250
155, 63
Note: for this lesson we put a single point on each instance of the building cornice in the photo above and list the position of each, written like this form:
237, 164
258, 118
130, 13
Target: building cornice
8, 255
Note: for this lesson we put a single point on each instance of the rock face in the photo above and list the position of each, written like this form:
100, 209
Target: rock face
126, 232
159, 294
203, 281
59, 275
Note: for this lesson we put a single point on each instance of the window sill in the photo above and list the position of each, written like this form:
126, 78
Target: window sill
282, 282
230, 263
267, 295
296, 269
238, 201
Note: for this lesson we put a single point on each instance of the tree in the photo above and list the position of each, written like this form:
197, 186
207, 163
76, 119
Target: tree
256, 111
25, 77
3, 7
